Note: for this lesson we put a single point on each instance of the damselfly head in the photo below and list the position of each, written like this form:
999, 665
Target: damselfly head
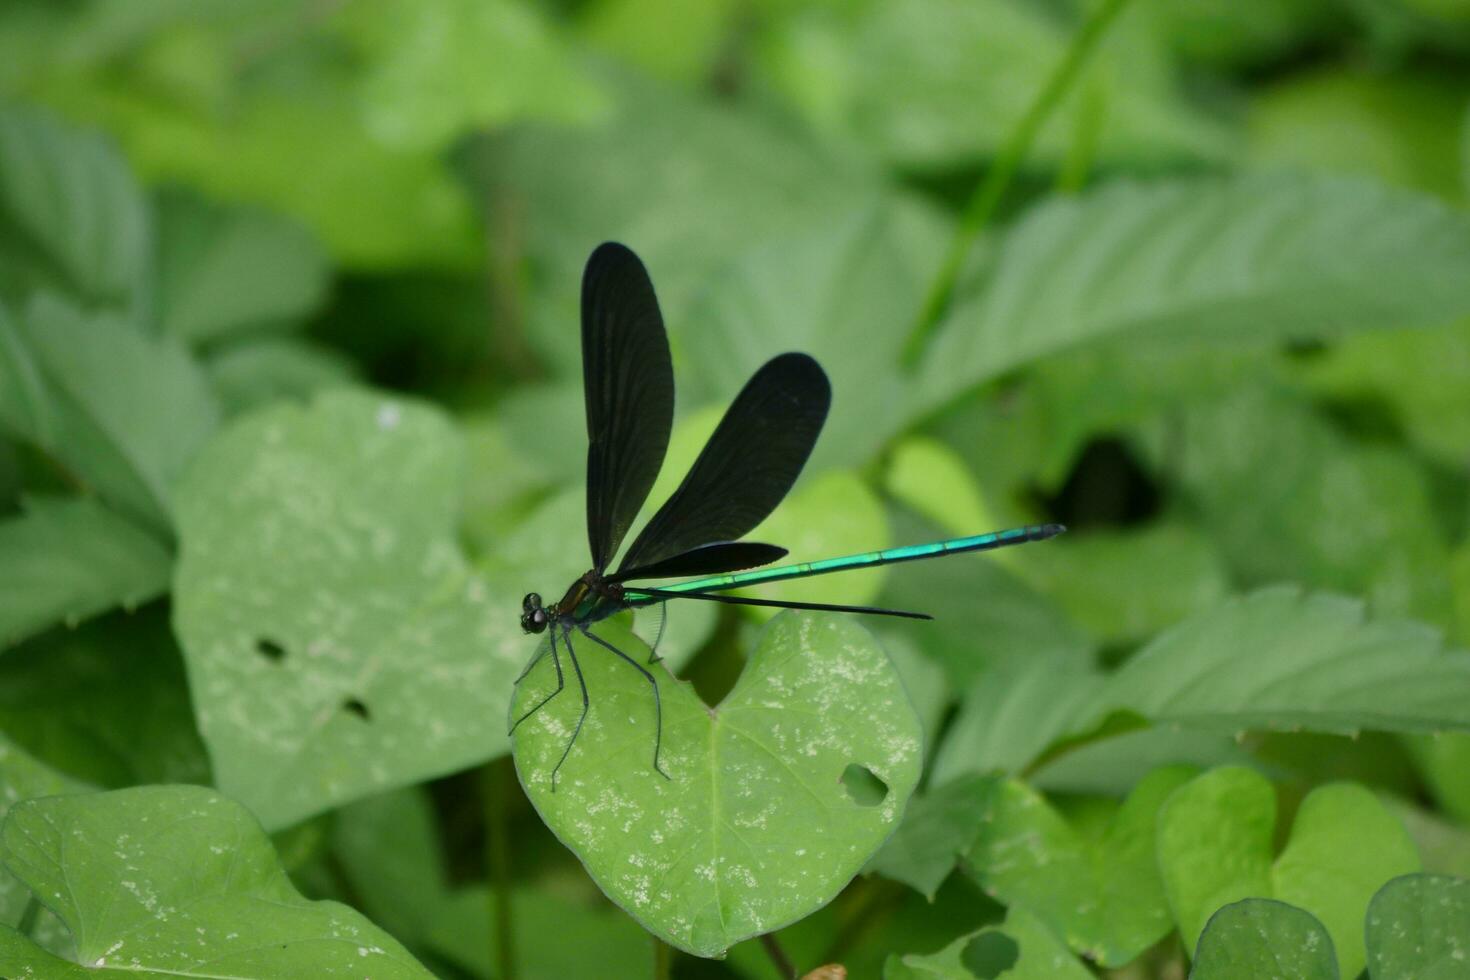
533, 616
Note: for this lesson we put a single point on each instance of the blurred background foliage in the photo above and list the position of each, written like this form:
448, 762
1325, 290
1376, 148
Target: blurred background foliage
1220, 327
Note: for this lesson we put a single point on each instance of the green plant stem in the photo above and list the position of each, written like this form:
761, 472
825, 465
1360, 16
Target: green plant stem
497, 852
28, 917
778, 956
662, 959
997, 179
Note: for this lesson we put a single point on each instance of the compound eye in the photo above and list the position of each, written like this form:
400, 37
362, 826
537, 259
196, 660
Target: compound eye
539, 616
531, 601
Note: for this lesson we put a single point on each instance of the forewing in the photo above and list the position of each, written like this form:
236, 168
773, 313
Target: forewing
747, 466
628, 379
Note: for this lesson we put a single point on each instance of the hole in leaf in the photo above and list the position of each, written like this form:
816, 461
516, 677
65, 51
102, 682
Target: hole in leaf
356, 707
990, 954
864, 788
270, 649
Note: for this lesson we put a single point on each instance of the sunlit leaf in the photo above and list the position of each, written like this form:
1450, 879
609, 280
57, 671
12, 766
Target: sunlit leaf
758, 823
63, 560
204, 898
1215, 847
337, 640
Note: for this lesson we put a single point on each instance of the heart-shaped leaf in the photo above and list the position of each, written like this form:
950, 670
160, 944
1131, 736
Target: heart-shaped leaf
177, 881
1102, 894
1215, 847
1260, 937
338, 643
1023, 948
1419, 926
773, 800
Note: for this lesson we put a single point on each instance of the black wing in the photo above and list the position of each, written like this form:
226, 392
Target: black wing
629, 383
748, 464
709, 559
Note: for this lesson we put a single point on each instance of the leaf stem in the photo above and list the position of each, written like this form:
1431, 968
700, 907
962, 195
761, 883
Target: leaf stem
497, 852
998, 178
778, 956
662, 958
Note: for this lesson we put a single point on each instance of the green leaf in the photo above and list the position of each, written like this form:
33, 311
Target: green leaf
1022, 948
1012, 711
372, 205
259, 371
72, 218
1400, 127
860, 275
935, 84
1215, 847
1444, 763
1416, 376
929, 477
429, 81
1255, 257
223, 270
204, 899
1287, 497
64, 560
675, 39
108, 703
1102, 894
1419, 926
390, 850
1281, 659
23, 777
832, 514
754, 827
983, 614
1125, 586
938, 827
338, 643
689, 183
1258, 937
123, 411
